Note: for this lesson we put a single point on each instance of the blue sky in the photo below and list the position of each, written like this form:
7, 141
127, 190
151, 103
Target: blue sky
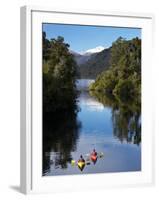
81, 38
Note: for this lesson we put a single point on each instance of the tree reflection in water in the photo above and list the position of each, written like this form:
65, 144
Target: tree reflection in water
60, 134
126, 117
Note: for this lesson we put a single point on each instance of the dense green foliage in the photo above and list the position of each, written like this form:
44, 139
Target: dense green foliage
97, 63
59, 74
123, 78
46, 48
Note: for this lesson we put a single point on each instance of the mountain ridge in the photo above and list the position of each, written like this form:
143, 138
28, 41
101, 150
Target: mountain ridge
81, 58
97, 49
92, 64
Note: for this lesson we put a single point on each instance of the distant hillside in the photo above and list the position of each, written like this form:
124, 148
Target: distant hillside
94, 64
82, 58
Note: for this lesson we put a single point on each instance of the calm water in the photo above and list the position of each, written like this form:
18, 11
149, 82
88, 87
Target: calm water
95, 126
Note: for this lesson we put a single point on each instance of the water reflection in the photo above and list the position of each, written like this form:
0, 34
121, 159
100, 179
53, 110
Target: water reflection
126, 118
60, 135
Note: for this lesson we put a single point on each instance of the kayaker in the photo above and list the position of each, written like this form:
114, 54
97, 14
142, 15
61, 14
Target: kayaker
94, 153
81, 159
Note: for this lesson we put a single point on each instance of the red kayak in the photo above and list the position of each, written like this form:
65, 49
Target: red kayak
93, 157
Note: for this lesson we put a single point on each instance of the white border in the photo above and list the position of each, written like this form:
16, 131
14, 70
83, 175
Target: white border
31, 101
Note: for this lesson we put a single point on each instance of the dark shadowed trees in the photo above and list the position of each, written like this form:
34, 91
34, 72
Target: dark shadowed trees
59, 76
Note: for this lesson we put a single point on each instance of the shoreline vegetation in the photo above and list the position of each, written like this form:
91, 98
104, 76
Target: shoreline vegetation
123, 78
120, 87
59, 76
60, 125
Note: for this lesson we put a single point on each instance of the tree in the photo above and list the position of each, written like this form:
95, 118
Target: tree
59, 74
123, 78
46, 48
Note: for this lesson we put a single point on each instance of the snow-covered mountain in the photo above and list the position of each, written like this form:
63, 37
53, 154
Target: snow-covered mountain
83, 57
94, 50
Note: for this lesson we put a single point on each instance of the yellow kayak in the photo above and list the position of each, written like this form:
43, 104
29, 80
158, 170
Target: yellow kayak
81, 164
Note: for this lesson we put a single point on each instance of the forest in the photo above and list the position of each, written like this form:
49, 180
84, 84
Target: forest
123, 78
59, 76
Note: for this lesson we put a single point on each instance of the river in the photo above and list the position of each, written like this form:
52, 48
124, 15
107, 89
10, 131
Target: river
96, 126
